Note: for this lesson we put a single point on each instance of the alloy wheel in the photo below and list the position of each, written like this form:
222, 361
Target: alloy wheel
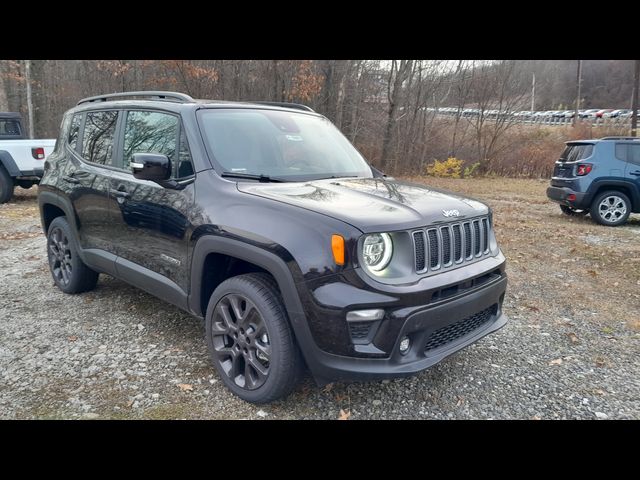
612, 208
241, 341
59, 253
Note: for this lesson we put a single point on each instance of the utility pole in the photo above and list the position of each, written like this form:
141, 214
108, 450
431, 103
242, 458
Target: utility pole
533, 92
576, 115
27, 74
634, 101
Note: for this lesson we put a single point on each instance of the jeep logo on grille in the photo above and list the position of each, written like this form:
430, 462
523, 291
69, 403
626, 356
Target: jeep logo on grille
451, 213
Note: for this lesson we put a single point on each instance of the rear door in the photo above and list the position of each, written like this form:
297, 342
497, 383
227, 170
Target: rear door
151, 226
632, 170
85, 176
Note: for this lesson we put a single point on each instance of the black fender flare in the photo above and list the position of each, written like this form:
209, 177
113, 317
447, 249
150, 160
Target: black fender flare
613, 183
9, 164
273, 264
52, 198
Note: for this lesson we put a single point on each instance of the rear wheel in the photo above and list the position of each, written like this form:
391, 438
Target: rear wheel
69, 272
573, 211
6, 185
611, 208
250, 341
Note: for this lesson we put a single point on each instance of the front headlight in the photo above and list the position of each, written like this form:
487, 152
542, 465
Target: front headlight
376, 251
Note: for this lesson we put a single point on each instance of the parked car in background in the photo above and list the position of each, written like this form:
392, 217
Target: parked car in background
21, 159
600, 177
617, 113
589, 113
600, 113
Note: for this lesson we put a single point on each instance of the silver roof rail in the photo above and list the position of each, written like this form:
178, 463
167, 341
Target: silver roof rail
155, 95
297, 106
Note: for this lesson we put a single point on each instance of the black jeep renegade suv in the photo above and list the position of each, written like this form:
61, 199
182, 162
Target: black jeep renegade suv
263, 220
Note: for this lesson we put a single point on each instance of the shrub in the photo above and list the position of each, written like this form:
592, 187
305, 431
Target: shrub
471, 170
449, 168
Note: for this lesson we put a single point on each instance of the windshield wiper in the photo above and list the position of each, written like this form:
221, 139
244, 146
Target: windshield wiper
251, 176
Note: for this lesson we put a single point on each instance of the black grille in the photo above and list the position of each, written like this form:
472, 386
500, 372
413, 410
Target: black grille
433, 248
476, 236
454, 243
467, 238
452, 332
457, 243
446, 245
359, 330
485, 234
418, 238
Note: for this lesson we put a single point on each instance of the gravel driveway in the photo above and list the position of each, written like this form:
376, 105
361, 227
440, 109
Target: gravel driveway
570, 350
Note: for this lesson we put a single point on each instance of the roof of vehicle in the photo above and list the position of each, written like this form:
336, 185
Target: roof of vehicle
176, 101
603, 139
10, 115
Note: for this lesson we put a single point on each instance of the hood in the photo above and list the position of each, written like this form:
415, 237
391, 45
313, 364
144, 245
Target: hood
371, 204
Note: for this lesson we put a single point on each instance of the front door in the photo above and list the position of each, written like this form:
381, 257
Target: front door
151, 225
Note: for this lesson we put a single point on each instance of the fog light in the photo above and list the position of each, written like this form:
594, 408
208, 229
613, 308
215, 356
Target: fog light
405, 343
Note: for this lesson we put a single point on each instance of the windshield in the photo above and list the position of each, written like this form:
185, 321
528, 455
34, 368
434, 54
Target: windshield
284, 145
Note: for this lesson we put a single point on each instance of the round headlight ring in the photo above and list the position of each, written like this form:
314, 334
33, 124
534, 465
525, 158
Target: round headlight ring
379, 246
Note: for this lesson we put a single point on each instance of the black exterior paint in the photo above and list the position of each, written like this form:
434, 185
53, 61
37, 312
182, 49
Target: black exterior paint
158, 239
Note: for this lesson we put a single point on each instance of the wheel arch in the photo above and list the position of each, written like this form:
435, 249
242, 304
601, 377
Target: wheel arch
211, 250
626, 187
7, 161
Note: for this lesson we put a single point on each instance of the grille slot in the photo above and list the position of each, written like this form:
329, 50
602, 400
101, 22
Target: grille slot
451, 244
485, 235
467, 241
446, 246
476, 237
451, 333
419, 242
434, 249
457, 243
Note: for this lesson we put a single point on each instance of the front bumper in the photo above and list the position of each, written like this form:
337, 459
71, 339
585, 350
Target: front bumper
436, 327
560, 195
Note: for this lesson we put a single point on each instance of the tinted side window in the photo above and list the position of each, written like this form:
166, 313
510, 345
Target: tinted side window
9, 127
99, 130
184, 167
74, 129
149, 132
621, 151
634, 154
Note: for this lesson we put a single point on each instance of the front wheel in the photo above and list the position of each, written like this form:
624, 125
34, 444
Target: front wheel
573, 211
250, 341
6, 185
611, 208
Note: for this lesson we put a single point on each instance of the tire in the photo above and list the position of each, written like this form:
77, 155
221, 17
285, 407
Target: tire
274, 365
611, 208
69, 272
6, 185
573, 212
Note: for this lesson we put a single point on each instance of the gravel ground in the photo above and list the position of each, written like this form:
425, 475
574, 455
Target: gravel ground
569, 351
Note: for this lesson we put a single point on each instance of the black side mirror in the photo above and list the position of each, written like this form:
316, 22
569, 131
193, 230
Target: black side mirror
151, 166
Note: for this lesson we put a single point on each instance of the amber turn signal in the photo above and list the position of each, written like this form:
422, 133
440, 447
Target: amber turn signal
337, 246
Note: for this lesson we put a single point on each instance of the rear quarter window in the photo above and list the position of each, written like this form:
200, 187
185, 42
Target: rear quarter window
574, 153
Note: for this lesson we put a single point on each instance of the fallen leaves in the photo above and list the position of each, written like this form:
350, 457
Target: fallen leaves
557, 361
344, 414
19, 235
573, 338
72, 338
185, 387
